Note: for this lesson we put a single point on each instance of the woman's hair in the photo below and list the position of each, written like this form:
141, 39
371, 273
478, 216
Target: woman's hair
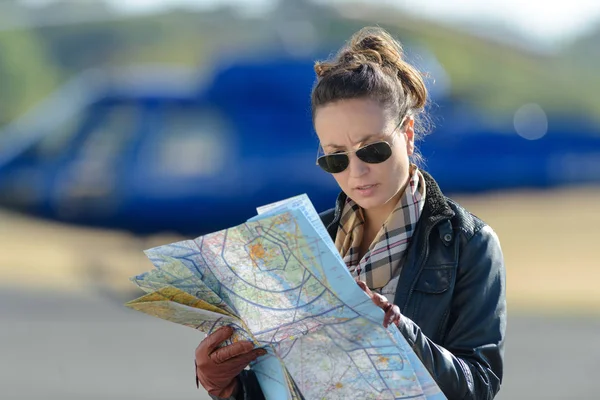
370, 66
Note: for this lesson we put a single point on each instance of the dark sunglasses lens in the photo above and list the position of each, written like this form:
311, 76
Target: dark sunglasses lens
333, 163
375, 153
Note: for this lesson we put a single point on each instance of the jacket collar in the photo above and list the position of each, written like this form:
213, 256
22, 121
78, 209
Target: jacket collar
436, 206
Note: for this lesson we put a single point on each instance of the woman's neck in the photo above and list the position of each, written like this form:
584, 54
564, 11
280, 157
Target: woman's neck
376, 217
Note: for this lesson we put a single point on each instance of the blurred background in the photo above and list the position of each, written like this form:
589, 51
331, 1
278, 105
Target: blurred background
131, 124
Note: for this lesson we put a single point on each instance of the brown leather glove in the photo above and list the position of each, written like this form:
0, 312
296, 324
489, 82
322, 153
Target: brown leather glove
217, 368
392, 312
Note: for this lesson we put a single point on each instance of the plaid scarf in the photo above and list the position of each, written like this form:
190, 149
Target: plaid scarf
381, 265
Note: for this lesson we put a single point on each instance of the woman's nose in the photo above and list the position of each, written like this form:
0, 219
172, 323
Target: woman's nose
357, 167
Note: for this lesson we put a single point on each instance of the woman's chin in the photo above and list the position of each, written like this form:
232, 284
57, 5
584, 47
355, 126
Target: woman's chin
369, 203
376, 201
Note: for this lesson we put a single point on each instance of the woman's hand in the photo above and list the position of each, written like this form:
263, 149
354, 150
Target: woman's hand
217, 368
392, 312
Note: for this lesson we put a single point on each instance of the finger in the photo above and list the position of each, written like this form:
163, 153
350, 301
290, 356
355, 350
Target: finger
396, 320
365, 288
231, 351
212, 341
387, 318
389, 314
392, 315
380, 300
240, 362
237, 364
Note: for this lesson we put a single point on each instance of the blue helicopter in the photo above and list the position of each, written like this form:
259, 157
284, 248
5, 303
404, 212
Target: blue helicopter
151, 149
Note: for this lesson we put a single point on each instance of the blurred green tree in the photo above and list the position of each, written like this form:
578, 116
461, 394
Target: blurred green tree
68, 37
26, 74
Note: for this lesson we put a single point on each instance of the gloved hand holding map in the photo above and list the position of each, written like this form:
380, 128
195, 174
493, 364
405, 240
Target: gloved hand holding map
280, 282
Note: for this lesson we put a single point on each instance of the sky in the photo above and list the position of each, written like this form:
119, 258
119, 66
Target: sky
536, 19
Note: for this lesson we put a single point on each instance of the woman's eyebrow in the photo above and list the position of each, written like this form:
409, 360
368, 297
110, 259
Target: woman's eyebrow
362, 140
333, 146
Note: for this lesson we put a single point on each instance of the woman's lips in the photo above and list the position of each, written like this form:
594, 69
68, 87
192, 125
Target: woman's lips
366, 190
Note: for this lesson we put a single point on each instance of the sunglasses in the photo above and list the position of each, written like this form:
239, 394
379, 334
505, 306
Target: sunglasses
372, 153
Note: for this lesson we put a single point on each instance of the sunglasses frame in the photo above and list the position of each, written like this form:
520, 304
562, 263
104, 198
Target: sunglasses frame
347, 153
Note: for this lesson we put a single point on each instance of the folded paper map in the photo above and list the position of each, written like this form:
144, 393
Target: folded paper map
280, 282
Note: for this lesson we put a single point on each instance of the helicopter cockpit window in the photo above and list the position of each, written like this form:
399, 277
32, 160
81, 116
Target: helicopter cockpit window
193, 141
109, 139
105, 138
55, 139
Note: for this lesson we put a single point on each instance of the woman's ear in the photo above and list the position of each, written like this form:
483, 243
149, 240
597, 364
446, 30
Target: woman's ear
409, 134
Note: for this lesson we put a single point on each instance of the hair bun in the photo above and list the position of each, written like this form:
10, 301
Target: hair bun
376, 45
323, 68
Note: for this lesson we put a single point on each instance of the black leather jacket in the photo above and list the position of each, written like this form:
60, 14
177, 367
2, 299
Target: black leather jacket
452, 297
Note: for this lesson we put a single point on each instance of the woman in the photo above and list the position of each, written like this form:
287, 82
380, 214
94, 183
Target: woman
436, 270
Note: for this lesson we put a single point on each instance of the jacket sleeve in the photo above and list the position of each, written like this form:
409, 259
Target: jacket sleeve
249, 388
469, 364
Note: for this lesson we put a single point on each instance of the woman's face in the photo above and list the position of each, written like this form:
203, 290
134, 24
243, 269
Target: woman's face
350, 124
